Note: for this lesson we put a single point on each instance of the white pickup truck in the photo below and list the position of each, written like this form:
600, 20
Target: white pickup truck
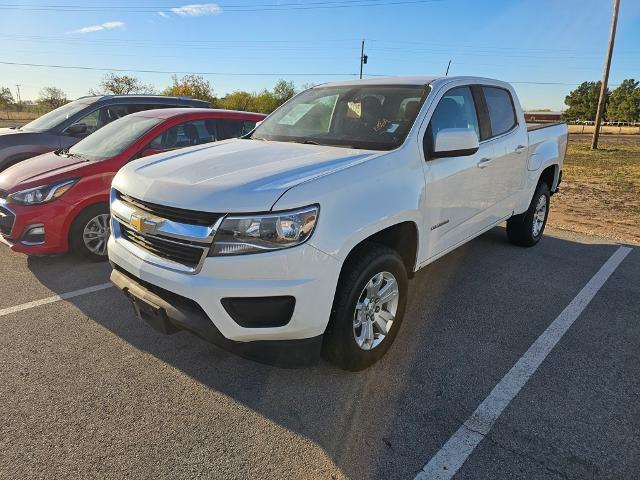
300, 238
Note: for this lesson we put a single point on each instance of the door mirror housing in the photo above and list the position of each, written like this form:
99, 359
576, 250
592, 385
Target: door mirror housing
77, 129
455, 142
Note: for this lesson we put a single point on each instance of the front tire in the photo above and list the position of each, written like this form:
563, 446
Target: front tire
526, 230
368, 308
90, 232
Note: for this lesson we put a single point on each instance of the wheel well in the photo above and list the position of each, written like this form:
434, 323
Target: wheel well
402, 237
80, 212
548, 176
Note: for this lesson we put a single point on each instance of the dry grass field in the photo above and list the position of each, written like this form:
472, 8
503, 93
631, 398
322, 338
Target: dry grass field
16, 119
600, 191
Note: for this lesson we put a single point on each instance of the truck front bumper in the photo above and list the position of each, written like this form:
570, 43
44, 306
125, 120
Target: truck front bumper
200, 303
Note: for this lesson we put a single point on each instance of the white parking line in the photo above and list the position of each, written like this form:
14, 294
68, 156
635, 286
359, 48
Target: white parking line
455, 452
55, 298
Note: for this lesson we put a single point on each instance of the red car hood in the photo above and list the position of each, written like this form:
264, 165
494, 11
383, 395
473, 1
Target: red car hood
38, 169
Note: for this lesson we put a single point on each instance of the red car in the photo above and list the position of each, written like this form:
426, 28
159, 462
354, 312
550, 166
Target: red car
58, 201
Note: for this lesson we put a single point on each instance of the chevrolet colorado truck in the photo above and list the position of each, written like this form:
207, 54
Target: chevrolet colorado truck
299, 238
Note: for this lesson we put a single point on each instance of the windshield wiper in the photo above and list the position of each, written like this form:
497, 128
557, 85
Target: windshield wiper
74, 155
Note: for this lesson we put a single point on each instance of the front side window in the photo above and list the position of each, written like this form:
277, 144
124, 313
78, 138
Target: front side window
376, 117
193, 132
455, 110
113, 139
501, 113
98, 119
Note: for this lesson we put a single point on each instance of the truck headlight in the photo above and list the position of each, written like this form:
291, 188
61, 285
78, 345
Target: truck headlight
240, 234
42, 194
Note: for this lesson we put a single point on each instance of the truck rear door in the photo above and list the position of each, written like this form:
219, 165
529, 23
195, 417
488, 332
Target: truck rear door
505, 173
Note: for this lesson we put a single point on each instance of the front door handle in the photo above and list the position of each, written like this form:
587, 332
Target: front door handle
484, 162
519, 148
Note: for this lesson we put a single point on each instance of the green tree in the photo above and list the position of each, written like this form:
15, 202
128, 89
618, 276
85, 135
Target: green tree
6, 98
624, 102
583, 102
112, 84
238, 100
283, 91
194, 86
52, 97
265, 102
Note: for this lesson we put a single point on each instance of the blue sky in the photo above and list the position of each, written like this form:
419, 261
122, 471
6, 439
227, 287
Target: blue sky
555, 41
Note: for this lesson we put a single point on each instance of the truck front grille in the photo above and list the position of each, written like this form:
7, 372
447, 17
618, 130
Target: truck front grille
183, 252
180, 215
7, 218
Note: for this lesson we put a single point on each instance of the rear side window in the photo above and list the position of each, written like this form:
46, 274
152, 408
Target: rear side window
228, 128
501, 112
194, 132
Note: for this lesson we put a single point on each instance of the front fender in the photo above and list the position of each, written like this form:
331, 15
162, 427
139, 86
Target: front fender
357, 202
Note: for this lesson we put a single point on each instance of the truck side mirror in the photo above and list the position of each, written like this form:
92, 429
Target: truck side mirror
77, 129
455, 142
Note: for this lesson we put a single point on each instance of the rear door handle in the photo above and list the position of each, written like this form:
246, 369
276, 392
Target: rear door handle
484, 162
519, 148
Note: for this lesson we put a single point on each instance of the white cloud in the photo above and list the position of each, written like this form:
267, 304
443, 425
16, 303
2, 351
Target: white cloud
198, 10
97, 28
163, 14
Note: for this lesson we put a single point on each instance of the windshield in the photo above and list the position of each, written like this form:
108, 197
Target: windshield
114, 138
376, 117
55, 117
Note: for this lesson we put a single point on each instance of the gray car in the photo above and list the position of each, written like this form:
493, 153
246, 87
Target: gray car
64, 126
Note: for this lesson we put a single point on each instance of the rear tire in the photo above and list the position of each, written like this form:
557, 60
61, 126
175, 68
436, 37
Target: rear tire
89, 233
526, 229
368, 308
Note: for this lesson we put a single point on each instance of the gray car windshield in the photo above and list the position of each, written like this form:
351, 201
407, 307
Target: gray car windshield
376, 117
114, 138
55, 117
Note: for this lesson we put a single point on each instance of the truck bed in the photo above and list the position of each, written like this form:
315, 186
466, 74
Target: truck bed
537, 126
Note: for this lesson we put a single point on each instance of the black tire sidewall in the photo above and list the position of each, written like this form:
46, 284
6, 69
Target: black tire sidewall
542, 190
520, 227
76, 241
342, 347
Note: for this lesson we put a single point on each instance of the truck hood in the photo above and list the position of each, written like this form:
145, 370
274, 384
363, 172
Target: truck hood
40, 170
231, 176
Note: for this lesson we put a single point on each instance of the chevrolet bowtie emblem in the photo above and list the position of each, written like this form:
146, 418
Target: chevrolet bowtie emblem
142, 225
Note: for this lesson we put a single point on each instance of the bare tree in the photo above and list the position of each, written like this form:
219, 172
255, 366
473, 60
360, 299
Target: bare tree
52, 97
112, 84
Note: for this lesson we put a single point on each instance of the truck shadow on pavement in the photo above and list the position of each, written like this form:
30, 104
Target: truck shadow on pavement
470, 316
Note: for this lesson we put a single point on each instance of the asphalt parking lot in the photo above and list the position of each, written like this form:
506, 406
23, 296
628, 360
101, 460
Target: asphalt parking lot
90, 391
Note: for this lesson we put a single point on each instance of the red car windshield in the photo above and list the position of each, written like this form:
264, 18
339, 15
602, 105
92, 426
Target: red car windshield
114, 138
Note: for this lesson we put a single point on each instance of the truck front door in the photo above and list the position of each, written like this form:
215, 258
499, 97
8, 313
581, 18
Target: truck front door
454, 205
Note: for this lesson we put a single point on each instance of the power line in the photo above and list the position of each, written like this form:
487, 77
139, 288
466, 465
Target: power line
239, 74
226, 8
169, 72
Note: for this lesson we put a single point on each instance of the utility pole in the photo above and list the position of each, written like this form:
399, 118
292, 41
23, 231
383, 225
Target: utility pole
19, 99
363, 58
605, 75
447, 73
